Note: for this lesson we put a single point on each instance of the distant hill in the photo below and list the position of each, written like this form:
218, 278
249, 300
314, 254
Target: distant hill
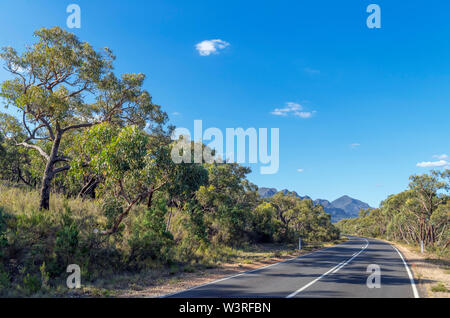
267, 192
343, 208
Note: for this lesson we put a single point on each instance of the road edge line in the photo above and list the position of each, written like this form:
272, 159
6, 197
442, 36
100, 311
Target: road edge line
411, 277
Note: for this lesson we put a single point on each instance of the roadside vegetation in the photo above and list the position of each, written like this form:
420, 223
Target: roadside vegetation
419, 214
87, 178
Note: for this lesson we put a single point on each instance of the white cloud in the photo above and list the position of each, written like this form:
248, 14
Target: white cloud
208, 47
441, 157
176, 113
428, 164
293, 109
355, 145
300, 170
312, 71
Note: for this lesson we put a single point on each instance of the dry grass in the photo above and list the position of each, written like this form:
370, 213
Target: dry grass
20, 199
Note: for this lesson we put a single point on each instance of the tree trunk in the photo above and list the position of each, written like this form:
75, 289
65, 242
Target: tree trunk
45, 188
150, 197
49, 174
170, 216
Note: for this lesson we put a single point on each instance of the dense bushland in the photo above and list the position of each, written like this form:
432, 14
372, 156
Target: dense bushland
88, 178
421, 213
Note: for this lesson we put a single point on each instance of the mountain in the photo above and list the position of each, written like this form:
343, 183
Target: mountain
267, 192
343, 208
286, 191
349, 205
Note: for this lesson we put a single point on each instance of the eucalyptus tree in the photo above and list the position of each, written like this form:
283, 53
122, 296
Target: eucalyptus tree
430, 191
131, 164
61, 85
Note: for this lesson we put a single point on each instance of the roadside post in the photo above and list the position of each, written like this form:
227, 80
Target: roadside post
299, 243
421, 247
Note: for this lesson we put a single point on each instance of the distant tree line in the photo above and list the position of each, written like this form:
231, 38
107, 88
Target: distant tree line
421, 213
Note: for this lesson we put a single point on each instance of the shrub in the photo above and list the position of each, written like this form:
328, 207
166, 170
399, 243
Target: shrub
3, 227
149, 239
66, 244
32, 284
440, 287
5, 280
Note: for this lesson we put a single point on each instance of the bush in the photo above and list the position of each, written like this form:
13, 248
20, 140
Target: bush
440, 287
3, 227
31, 284
5, 280
66, 245
149, 239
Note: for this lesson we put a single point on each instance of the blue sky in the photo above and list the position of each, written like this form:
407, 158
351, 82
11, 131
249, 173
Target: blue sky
379, 97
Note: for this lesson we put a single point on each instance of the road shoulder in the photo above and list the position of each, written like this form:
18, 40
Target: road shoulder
428, 271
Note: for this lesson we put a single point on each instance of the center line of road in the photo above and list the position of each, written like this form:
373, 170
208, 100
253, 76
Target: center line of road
333, 270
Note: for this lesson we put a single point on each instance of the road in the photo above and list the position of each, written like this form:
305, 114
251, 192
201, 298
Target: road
338, 271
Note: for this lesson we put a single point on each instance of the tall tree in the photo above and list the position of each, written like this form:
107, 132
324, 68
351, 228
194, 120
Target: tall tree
428, 190
60, 86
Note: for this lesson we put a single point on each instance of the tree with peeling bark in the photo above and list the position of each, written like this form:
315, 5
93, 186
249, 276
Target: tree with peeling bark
61, 86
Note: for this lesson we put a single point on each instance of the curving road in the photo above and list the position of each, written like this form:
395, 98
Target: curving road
338, 271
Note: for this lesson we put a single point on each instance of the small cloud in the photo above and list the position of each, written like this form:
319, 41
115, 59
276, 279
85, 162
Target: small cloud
355, 145
311, 71
304, 114
441, 157
208, 47
428, 164
176, 113
293, 109
300, 170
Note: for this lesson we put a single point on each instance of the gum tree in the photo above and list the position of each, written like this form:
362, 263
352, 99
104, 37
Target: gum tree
61, 86
131, 164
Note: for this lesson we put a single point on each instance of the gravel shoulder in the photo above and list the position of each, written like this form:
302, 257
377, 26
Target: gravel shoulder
431, 273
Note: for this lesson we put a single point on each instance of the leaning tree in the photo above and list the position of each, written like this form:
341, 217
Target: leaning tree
61, 85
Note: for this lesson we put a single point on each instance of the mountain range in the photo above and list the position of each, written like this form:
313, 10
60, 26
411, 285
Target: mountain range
343, 208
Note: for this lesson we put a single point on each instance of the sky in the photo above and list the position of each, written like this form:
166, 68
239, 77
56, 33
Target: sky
359, 110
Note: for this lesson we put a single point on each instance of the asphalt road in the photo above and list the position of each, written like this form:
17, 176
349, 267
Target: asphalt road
339, 271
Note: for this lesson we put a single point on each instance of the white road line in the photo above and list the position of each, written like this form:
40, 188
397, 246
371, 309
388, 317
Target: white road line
411, 278
248, 272
333, 270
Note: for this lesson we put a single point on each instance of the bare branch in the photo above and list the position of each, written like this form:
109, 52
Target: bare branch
41, 151
60, 169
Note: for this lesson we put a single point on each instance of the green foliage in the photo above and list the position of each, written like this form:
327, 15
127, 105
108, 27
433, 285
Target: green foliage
149, 239
31, 284
62, 85
439, 287
5, 280
3, 229
66, 245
